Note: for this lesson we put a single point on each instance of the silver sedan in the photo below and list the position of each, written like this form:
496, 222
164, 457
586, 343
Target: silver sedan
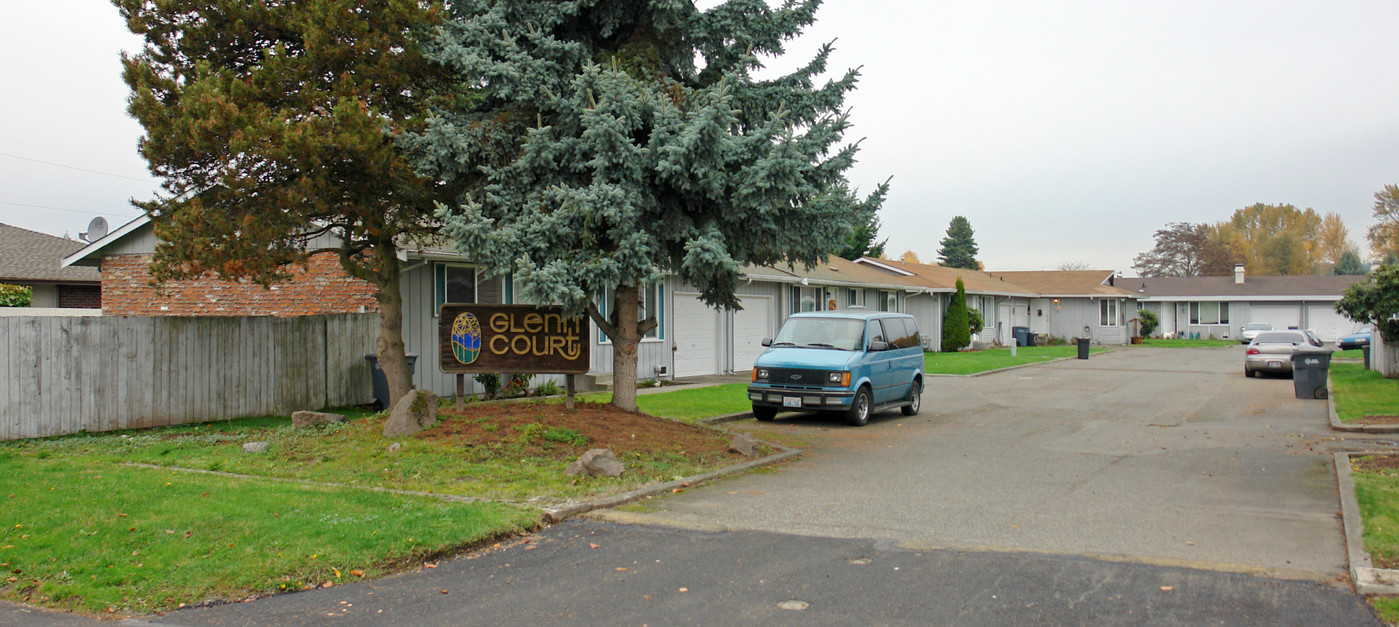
1271, 351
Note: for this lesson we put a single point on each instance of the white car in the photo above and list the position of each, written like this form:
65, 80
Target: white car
1252, 329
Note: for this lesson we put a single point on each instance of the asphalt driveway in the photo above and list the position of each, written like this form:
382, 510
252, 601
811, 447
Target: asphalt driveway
1164, 456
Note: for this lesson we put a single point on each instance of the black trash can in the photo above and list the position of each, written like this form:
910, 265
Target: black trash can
1365, 352
1022, 335
1031, 339
381, 382
1309, 370
1083, 348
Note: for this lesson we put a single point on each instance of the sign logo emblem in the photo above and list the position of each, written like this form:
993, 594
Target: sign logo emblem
466, 338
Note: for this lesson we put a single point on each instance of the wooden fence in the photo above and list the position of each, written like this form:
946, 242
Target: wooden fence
65, 375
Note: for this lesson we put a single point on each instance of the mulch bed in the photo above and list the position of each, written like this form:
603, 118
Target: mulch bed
1378, 420
604, 426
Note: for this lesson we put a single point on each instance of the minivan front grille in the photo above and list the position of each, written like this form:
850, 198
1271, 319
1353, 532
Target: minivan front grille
797, 377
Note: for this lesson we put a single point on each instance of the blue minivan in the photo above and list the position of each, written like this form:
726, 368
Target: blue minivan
851, 363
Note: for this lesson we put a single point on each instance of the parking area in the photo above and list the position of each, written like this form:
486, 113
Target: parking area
1164, 456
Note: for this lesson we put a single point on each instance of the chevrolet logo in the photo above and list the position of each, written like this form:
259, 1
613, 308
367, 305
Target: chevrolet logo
796, 377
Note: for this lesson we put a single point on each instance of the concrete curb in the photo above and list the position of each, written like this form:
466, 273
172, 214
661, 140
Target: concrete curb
563, 513
1367, 578
1337, 425
1009, 368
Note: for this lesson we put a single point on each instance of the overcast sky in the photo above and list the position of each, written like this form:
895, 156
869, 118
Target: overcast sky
1064, 131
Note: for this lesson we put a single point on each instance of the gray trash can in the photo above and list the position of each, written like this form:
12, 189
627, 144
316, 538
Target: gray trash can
1083, 348
1365, 352
381, 382
1309, 370
1022, 335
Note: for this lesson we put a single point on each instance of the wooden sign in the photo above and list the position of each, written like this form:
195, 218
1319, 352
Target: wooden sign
511, 338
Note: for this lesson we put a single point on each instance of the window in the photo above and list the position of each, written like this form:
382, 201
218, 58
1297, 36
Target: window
453, 283
854, 298
1209, 313
888, 301
1107, 313
805, 299
650, 302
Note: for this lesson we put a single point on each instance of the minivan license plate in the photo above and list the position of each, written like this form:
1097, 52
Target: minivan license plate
791, 401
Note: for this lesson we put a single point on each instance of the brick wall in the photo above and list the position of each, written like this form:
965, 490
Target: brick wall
321, 288
80, 296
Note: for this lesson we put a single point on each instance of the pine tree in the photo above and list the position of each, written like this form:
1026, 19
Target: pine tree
956, 325
1349, 263
959, 247
861, 242
649, 148
273, 123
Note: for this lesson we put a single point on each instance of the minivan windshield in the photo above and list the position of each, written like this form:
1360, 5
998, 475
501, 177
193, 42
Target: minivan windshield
838, 333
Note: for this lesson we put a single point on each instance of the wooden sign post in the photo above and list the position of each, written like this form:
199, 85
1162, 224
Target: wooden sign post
527, 339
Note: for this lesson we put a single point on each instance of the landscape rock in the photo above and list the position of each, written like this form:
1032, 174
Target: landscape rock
598, 462
417, 410
394, 447
743, 444
302, 419
255, 447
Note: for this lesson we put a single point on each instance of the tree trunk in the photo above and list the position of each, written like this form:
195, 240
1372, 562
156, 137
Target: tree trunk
624, 345
389, 347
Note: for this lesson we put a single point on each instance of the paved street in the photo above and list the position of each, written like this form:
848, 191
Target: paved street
1152, 455
1144, 486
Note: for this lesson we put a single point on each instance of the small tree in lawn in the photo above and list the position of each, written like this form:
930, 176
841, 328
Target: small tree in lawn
1376, 302
647, 147
273, 123
1150, 321
956, 326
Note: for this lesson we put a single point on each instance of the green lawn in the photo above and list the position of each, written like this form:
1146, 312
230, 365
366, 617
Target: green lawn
1359, 392
89, 535
689, 404
1353, 353
1377, 492
1183, 343
971, 362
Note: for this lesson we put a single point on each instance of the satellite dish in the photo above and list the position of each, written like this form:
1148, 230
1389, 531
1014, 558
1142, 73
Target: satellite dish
97, 229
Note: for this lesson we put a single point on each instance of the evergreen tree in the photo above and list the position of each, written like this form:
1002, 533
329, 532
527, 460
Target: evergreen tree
1349, 264
273, 123
959, 247
956, 325
861, 242
650, 148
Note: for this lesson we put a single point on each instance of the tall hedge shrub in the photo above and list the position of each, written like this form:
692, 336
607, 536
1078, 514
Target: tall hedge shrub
956, 326
15, 295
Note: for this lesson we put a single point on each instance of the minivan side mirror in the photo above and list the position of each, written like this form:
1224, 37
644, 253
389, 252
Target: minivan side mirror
767, 341
879, 345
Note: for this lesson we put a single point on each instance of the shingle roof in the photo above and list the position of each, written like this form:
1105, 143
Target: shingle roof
945, 279
27, 255
839, 270
1253, 286
1066, 282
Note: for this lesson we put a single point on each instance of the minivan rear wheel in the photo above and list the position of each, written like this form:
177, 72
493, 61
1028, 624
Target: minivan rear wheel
859, 412
915, 399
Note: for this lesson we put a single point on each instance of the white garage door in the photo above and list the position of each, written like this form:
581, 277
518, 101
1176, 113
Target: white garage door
1328, 324
696, 336
751, 325
1279, 317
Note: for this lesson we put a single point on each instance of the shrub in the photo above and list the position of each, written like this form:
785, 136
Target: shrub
1149, 321
956, 328
516, 385
491, 382
15, 295
547, 388
975, 320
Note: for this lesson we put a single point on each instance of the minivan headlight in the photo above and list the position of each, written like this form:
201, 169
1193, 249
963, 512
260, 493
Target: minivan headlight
760, 374
838, 378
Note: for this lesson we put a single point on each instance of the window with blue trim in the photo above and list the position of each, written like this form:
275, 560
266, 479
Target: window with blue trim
651, 299
452, 283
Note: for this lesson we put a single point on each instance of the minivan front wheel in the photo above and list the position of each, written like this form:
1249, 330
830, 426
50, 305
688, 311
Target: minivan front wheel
859, 412
915, 399
764, 414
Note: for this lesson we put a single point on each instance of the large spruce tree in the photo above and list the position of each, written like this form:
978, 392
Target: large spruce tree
272, 123
959, 246
649, 147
